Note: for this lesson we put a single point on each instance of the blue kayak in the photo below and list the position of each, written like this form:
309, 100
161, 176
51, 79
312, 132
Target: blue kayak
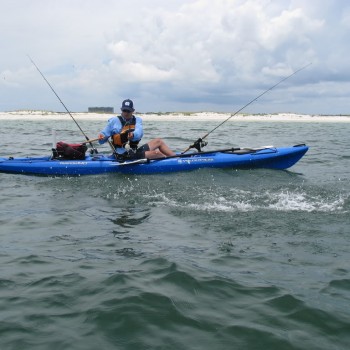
265, 157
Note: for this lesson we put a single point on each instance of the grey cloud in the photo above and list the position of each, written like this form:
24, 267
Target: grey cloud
183, 54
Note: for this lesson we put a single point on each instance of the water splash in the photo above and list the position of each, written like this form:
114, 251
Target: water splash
245, 201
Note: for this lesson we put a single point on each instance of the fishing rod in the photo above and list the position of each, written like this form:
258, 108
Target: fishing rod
198, 144
94, 150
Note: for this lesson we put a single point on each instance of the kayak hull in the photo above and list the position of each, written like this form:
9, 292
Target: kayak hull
271, 157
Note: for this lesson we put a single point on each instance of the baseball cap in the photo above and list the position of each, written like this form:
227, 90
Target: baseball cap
127, 105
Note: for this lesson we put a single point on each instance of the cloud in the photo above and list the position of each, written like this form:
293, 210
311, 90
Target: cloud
187, 55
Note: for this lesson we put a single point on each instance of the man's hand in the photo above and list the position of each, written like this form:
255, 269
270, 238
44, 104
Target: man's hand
101, 136
130, 135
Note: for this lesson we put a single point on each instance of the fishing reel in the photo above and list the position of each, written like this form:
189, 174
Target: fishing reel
199, 144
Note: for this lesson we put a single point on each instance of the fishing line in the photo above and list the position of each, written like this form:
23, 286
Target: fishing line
200, 143
87, 139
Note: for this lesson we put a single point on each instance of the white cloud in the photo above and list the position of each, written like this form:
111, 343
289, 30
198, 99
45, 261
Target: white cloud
182, 54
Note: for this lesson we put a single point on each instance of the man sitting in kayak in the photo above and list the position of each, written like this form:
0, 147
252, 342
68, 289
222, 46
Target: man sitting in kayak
127, 129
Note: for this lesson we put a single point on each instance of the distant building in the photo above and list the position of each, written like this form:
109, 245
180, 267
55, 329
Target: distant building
101, 110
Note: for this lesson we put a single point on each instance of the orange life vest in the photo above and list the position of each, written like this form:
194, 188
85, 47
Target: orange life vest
121, 139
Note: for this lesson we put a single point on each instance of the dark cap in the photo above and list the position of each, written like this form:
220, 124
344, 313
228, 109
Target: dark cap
127, 105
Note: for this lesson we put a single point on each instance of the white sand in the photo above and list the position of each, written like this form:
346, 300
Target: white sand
202, 116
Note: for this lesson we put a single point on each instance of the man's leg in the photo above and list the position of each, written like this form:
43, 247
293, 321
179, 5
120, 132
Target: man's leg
158, 149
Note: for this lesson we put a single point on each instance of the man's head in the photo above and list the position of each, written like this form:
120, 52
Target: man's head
127, 108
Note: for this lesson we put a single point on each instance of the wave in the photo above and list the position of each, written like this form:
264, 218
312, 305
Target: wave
244, 201
164, 305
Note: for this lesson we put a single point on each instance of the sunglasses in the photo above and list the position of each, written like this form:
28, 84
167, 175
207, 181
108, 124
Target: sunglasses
126, 111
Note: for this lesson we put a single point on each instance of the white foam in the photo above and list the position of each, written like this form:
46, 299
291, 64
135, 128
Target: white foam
299, 201
245, 201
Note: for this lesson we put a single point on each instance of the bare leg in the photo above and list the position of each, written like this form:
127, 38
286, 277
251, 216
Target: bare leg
158, 149
154, 154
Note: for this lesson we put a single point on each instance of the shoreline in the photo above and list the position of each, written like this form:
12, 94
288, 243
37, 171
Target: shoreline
200, 116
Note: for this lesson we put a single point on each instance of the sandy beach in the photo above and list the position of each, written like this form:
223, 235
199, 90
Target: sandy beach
201, 116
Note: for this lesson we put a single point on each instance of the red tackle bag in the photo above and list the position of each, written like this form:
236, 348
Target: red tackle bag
70, 151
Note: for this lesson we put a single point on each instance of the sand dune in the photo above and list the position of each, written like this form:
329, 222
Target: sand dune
201, 116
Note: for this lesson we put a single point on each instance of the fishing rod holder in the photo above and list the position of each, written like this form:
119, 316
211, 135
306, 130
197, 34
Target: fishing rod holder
199, 144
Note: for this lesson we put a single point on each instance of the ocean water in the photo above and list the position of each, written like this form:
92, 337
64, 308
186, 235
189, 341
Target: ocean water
211, 259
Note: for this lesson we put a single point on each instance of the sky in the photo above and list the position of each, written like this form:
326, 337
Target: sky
176, 55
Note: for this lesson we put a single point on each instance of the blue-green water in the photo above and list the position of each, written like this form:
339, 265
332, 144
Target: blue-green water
212, 259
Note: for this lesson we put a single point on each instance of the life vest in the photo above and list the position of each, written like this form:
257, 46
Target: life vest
121, 139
